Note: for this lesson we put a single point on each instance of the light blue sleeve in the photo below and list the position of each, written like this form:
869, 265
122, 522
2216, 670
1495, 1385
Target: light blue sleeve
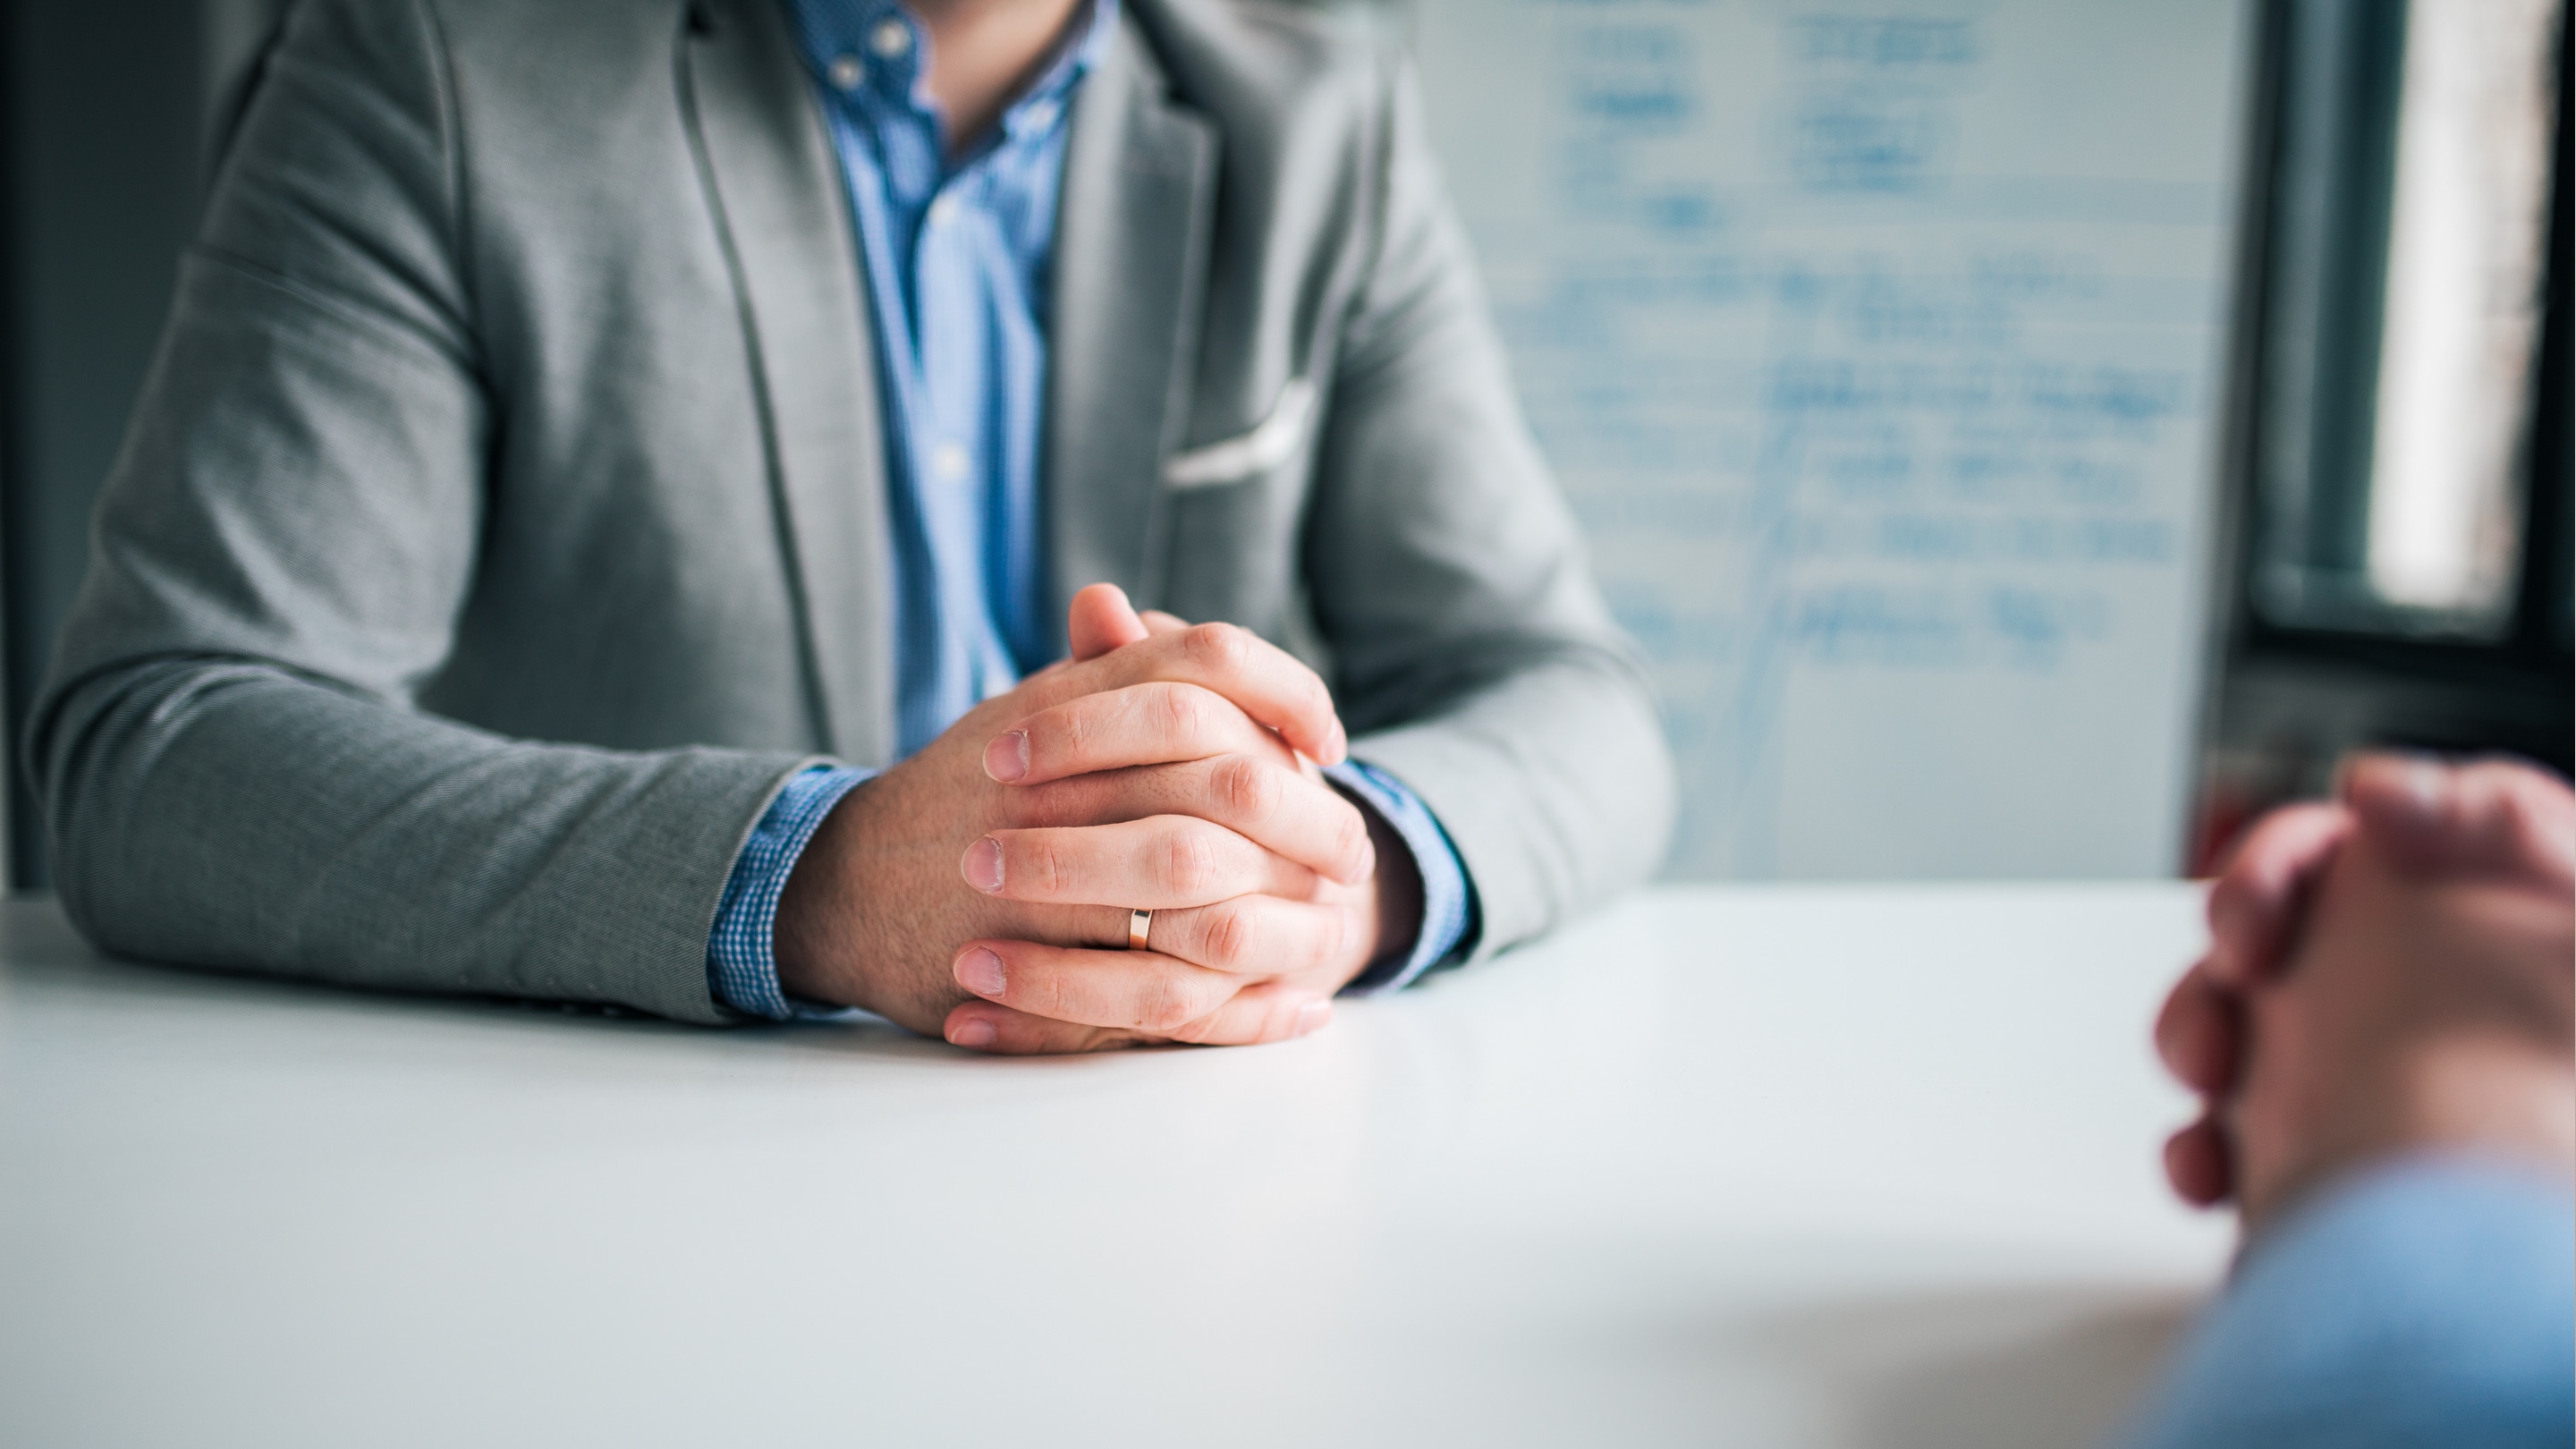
742, 964
2428, 1302
1448, 895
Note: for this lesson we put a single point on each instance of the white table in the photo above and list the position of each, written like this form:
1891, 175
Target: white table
1783, 1166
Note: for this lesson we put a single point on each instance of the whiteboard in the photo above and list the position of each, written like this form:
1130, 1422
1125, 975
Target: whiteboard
1881, 355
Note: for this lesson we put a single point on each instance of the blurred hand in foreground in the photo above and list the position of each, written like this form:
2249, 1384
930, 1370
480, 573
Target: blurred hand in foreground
2393, 970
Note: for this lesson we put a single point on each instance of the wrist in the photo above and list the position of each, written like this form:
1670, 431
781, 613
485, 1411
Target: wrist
1395, 887
2492, 1093
811, 939
2468, 1092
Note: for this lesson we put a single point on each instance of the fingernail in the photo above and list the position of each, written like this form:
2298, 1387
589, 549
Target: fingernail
980, 971
975, 1032
1340, 749
984, 865
1007, 758
1313, 1016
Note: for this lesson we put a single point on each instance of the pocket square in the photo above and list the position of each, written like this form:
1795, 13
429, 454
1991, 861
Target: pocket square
1267, 446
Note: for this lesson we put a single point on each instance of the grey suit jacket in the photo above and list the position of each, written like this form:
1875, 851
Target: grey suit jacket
503, 521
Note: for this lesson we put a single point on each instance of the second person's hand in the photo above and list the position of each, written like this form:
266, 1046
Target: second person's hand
2489, 820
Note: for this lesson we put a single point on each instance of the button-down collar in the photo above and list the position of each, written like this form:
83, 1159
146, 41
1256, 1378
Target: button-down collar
876, 53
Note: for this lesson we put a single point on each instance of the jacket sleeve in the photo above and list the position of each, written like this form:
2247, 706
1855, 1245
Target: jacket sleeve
232, 765
1476, 661
2420, 1303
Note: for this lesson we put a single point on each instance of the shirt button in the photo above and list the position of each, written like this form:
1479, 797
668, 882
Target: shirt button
943, 211
891, 39
948, 462
847, 71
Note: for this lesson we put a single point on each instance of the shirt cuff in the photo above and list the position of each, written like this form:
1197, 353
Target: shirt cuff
742, 960
1449, 909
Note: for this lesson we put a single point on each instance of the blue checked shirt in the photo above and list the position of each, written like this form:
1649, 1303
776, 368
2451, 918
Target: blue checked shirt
957, 258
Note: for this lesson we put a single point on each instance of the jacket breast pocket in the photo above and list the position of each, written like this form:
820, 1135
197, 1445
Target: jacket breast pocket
1234, 506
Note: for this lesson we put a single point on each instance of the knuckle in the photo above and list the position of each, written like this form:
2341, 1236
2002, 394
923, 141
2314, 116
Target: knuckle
1245, 789
1228, 938
1049, 866
1165, 1007
1221, 649
1190, 864
1059, 733
1039, 995
1179, 712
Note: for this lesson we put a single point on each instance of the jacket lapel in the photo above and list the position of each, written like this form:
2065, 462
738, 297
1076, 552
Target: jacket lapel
775, 191
1130, 277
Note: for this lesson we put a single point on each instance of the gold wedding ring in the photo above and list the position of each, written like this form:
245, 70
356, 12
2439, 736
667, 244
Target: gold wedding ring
1139, 923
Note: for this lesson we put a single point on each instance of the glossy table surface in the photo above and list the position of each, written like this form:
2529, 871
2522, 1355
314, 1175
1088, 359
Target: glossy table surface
1767, 1166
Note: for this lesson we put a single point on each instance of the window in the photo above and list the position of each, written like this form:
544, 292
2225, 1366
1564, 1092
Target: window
2408, 277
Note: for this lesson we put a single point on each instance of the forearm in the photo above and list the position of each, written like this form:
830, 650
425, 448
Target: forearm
229, 814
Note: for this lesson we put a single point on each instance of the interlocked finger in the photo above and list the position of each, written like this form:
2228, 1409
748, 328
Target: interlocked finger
2199, 1163
1134, 991
2199, 1033
986, 1027
1164, 862
1273, 1011
1142, 724
2256, 903
1260, 1014
2485, 819
1263, 680
1283, 810
1259, 935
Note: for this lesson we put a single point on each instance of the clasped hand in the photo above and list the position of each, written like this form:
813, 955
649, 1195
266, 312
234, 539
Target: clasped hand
982, 888
2387, 971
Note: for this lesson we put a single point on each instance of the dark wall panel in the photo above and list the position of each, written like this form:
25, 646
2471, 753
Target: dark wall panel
102, 148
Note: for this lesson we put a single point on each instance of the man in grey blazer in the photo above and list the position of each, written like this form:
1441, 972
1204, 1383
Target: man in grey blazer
618, 471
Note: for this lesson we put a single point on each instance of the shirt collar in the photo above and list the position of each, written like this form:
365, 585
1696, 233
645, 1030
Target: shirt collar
880, 44
1086, 38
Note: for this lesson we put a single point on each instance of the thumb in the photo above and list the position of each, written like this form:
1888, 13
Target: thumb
1100, 620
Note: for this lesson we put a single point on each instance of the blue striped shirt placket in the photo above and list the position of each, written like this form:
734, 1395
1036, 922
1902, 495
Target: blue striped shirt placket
957, 259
